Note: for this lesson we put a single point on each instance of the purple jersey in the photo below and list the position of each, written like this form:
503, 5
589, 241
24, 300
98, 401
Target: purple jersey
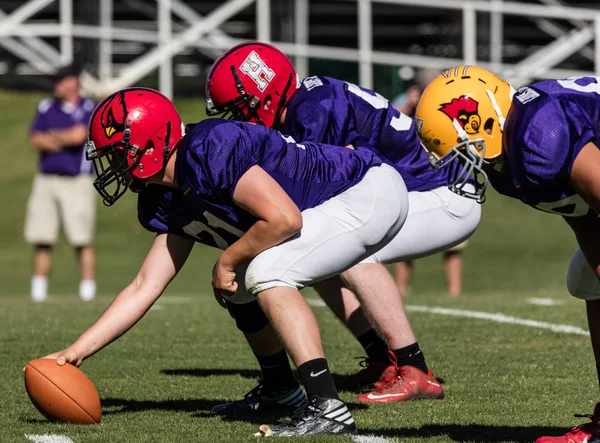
548, 124
326, 110
213, 157
54, 114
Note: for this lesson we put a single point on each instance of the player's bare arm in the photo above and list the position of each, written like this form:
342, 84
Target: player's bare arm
164, 260
278, 219
44, 141
73, 136
585, 179
587, 232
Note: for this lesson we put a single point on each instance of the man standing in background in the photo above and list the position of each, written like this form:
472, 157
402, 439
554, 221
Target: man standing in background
62, 191
453, 259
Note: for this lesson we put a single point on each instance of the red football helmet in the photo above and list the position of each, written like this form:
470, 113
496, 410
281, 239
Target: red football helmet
253, 81
131, 134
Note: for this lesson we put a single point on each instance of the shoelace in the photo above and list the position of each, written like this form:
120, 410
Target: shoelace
255, 392
398, 373
303, 413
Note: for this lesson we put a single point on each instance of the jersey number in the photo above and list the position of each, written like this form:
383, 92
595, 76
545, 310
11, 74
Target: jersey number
571, 83
573, 206
400, 123
195, 228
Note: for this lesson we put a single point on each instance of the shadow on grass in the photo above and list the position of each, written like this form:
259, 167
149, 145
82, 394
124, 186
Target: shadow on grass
268, 416
246, 373
111, 406
470, 433
199, 408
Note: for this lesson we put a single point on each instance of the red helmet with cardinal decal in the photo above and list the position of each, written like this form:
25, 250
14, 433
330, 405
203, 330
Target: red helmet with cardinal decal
131, 135
252, 81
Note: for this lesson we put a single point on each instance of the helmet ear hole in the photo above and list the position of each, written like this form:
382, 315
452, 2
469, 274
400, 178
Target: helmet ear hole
488, 126
268, 101
149, 149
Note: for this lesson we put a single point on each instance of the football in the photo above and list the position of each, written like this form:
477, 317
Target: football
62, 393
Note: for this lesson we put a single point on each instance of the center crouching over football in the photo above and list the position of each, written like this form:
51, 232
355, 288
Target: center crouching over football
251, 272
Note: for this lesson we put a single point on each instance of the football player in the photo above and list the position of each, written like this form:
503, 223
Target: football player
285, 214
538, 144
256, 82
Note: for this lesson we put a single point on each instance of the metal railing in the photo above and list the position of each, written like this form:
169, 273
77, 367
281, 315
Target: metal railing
26, 40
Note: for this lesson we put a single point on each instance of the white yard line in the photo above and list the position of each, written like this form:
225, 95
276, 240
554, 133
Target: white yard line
370, 438
540, 301
48, 438
497, 318
501, 318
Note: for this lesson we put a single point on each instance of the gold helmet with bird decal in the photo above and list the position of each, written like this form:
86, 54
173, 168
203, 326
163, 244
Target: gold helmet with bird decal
460, 116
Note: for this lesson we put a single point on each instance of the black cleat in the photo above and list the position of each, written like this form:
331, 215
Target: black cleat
261, 399
318, 416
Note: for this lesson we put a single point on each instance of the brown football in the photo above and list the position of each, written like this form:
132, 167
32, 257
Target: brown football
62, 393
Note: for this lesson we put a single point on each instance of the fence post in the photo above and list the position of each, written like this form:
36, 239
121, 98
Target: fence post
165, 72
469, 34
105, 46
365, 43
66, 31
263, 20
496, 35
301, 23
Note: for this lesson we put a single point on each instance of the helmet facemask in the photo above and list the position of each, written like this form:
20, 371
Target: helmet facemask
114, 172
465, 168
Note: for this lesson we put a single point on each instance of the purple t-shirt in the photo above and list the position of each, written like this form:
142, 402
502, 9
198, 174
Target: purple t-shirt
546, 128
54, 114
215, 154
326, 110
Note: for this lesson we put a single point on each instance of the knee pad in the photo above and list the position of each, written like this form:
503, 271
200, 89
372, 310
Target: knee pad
249, 317
582, 281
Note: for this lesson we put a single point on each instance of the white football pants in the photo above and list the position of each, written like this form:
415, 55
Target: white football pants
437, 220
335, 236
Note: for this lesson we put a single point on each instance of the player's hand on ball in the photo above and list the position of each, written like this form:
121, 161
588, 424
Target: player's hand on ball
223, 282
69, 355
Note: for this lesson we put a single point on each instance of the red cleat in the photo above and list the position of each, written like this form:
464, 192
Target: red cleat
364, 379
586, 433
403, 383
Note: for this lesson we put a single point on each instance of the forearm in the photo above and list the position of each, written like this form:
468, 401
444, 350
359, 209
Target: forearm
73, 136
44, 142
124, 312
260, 237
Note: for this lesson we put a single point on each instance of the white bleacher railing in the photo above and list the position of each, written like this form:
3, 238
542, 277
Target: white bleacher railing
25, 39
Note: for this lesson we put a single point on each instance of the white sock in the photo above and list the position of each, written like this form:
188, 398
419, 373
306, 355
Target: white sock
39, 288
87, 290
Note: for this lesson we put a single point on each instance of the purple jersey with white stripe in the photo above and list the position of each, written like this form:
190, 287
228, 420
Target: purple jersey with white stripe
54, 114
547, 126
326, 110
216, 153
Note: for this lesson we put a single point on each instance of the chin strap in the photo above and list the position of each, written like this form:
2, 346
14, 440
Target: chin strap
462, 134
496, 106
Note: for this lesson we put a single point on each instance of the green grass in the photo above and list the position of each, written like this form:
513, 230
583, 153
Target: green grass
158, 383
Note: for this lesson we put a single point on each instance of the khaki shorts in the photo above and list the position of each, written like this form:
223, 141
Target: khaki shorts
56, 200
459, 247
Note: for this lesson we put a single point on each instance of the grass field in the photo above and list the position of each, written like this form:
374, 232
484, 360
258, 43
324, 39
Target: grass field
503, 381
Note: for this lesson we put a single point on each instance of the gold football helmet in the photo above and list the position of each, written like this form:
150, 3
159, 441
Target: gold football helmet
461, 116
